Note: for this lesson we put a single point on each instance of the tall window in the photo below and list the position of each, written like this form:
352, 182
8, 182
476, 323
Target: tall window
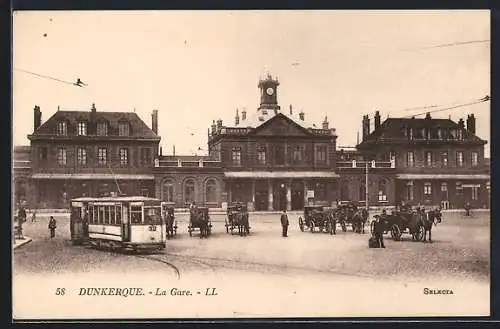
428, 159
362, 192
261, 156
145, 156
410, 159
474, 194
61, 156
427, 188
321, 154
189, 191
382, 191
474, 159
211, 191
411, 133
409, 191
123, 129
344, 190
444, 159
279, 154
444, 191
81, 156
460, 134
168, 191
298, 154
82, 128
440, 133
62, 128
459, 188
460, 159
320, 191
236, 157
102, 128
123, 157
42, 153
102, 156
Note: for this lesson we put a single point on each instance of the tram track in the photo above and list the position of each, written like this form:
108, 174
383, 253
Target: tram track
159, 260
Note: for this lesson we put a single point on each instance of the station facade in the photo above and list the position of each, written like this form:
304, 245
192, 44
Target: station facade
270, 159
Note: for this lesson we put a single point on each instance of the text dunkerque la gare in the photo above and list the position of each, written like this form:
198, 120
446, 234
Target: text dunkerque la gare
136, 292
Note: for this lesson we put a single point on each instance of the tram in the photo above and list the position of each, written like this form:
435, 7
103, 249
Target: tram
130, 222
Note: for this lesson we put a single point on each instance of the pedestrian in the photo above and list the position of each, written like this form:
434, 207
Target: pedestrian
284, 223
33, 216
378, 231
52, 227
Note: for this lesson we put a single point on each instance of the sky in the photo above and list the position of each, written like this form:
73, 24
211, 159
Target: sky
199, 66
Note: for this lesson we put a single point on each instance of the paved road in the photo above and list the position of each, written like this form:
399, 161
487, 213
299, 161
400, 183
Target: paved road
459, 257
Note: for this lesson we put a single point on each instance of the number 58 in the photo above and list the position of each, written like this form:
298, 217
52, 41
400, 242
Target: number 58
60, 291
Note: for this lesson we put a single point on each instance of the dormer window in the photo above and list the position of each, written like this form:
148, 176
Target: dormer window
123, 129
102, 128
62, 128
82, 128
460, 135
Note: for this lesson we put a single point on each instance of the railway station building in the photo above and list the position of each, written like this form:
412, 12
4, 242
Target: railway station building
270, 158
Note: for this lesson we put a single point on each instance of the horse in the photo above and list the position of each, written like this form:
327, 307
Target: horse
433, 217
359, 220
203, 225
242, 223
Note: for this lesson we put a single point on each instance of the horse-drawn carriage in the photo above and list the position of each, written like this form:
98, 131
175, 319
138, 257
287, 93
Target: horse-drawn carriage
237, 217
399, 223
200, 219
170, 222
317, 217
349, 213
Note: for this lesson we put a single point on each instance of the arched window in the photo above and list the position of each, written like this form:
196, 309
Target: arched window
211, 191
168, 191
189, 191
362, 192
382, 191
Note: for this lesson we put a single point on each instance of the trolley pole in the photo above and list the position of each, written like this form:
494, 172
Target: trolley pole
366, 185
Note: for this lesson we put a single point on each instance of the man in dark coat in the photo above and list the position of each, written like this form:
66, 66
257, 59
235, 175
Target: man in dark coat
284, 223
378, 232
52, 227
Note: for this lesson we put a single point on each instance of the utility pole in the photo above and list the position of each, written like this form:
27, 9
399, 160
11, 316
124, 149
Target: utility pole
366, 185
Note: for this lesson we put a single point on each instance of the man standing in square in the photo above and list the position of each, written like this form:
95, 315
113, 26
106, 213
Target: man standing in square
284, 223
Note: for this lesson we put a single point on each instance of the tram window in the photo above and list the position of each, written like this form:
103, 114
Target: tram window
100, 218
152, 215
107, 217
112, 215
136, 214
91, 215
118, 215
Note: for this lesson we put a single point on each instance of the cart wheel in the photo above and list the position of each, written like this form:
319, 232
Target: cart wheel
372, 227
343, 225
419, 235
395, 232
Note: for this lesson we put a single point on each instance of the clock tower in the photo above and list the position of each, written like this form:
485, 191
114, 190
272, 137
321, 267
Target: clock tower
268, 93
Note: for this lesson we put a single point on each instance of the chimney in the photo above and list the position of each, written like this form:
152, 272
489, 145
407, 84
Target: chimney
365, 127
92, 109
37, 118
377, 120
301, 115
428, 115
325, 123
471, 124
461, 123
219, 124
243, 115
214, 128
237, 118
154, 121
173, 151
291, 112
161, 151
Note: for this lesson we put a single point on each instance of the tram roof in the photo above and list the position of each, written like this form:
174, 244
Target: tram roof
115, 199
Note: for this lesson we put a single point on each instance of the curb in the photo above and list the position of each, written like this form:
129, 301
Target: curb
22, 243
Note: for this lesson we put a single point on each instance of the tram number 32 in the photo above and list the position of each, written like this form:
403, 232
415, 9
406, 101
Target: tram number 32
152, 228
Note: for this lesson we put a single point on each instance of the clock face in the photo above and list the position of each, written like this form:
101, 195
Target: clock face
270, 91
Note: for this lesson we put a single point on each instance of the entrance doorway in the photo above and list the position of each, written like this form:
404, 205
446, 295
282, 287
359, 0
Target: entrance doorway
297, 196
279, 196
261, 196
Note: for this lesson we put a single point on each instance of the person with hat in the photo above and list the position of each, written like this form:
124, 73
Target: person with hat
52, 227
284, 224
378, 231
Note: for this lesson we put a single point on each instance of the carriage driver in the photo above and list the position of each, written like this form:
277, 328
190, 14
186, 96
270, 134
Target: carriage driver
383, 216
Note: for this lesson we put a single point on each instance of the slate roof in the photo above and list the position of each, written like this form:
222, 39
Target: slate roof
393, 129
138, 129
259, 117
